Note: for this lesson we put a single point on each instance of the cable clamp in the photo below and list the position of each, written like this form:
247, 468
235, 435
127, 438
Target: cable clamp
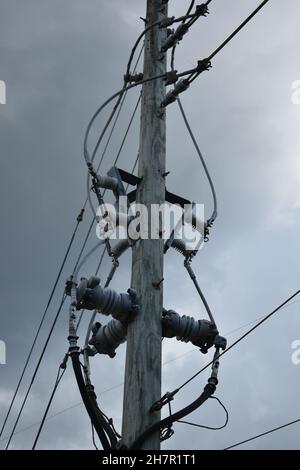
167, 398
166, 433
203, 66
92, 172
68, 285
167, 22
202, 10
63, 364
80, 216
171, 77
129, 78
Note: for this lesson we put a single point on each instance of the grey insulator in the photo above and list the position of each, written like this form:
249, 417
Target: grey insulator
201, 333
120, 248
108, 182
107, 338
90, 296
181, 247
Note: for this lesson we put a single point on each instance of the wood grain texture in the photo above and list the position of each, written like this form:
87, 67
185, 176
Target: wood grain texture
143, 357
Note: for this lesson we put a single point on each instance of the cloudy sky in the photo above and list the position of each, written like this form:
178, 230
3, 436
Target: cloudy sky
60, 59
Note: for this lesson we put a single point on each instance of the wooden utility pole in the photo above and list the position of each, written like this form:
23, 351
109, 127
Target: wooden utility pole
143, 358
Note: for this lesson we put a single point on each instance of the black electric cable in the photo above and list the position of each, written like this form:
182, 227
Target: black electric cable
122, 91
109, 100
237, 30
93, 437
88, 396
192, 21
120, 385
97, 419
212, 428
119, 151
119, 111
166, 422
238, 341
79, 219
263, 434
229, 38
148, 28
60, 375
208, 391
36, 370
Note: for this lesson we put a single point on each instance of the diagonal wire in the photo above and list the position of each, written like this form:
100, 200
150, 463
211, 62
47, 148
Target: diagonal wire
263, 434
36, 370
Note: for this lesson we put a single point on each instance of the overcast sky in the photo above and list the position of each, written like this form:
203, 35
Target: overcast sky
60, 59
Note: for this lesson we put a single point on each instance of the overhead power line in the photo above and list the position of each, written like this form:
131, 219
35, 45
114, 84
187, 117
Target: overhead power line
36, 371
263, 434
122, 383
235, 343
79, 219
229, 38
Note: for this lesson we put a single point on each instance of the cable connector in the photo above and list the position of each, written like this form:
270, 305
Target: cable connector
129, 78
180, 87
63, 364
171, 77
80, 216
167, 398
91, 169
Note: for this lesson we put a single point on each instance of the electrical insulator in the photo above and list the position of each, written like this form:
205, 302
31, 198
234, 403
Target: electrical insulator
201, 333
120, 247
107, 338
180, 87
91, 296
182, 247
107, 182
175, 37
